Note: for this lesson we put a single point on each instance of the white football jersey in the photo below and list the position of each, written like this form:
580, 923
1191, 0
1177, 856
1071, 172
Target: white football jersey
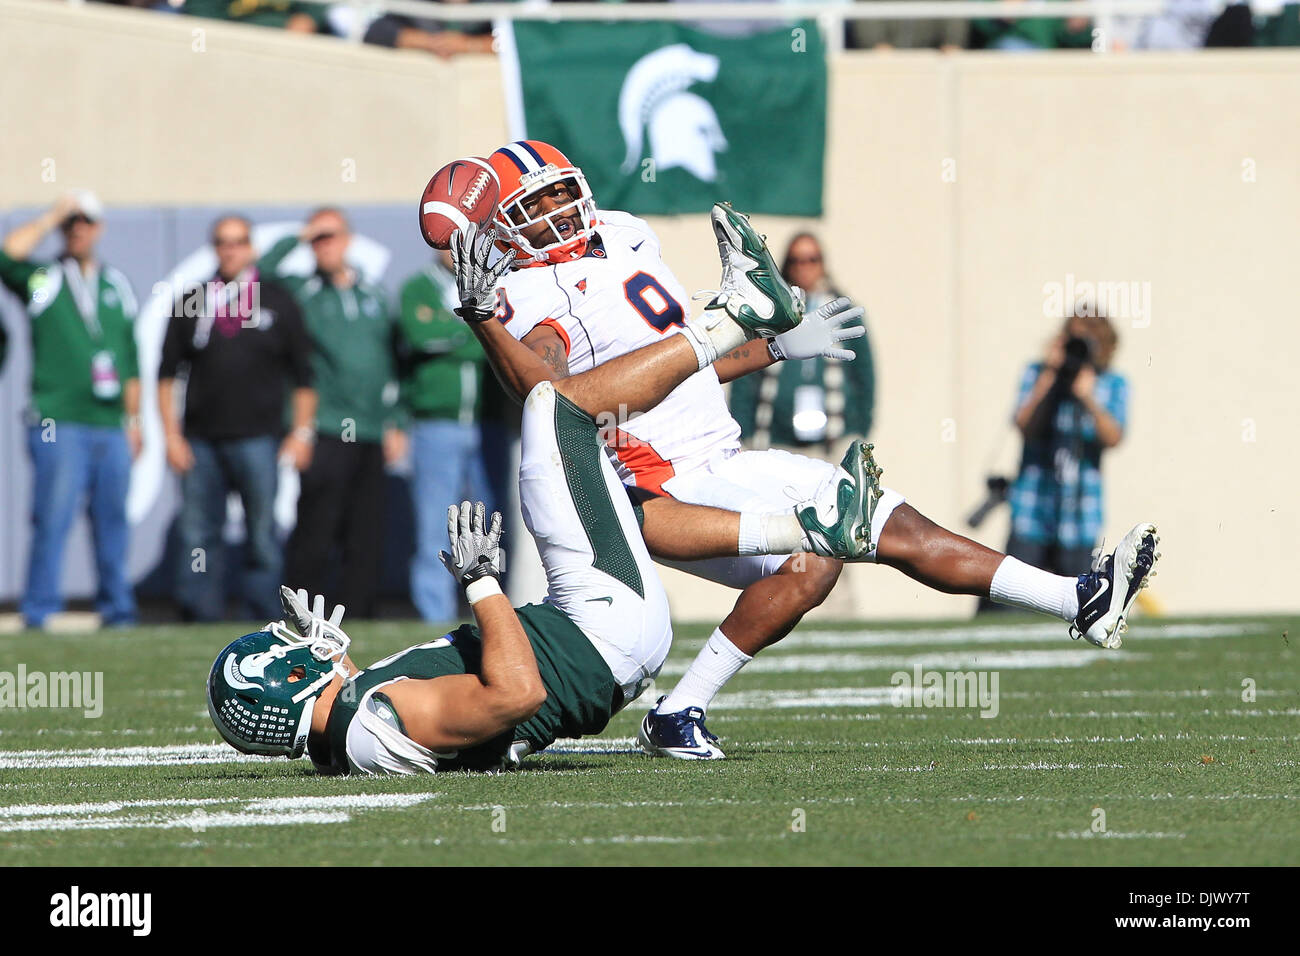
618, 297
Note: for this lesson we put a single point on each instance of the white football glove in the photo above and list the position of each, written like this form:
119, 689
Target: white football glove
301, 613
325, 634
475, 546
476, 281
821, 333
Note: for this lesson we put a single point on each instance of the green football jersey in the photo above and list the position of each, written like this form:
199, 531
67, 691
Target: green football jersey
581, 693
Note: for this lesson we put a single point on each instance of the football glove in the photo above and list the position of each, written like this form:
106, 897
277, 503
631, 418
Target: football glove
323, 634
821, 333
476, 281
475, 546
301, 614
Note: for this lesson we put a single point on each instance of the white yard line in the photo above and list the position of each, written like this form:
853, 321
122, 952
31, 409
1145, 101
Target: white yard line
1107, 835
983, 634
183, 754
166, 815
779, 663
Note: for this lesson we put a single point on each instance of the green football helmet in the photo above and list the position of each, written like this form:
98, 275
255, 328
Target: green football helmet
263, 686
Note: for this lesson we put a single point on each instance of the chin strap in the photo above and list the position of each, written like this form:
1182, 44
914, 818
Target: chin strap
327, 642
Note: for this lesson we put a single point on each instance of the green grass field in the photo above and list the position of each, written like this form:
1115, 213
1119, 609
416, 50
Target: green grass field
822, 768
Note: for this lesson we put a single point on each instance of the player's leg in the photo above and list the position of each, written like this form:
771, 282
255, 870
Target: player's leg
597, 568
1095, 603
676, 531
776, 591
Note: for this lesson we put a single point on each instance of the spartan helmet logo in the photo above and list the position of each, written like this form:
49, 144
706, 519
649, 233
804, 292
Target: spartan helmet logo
682, 127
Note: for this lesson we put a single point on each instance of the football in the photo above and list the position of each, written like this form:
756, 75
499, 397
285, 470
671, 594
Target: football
461, 192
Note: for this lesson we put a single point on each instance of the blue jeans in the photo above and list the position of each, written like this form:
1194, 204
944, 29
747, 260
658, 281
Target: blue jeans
84, 463
248, 466
448, 468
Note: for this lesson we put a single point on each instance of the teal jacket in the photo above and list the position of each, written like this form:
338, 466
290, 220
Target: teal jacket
354, 364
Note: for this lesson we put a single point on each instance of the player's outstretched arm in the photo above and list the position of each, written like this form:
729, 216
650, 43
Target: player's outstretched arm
820, 333
461, 710
449, 713
638, 381
520, 367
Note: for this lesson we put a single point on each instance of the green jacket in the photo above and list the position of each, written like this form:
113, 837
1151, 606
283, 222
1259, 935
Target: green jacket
1281, 29
264, 13
83, 338
354, 365
1046, 33
442, 362
765, 402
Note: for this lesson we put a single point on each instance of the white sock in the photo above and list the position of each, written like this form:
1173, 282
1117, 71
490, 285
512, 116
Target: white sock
775, 533
719, 660
1024, 586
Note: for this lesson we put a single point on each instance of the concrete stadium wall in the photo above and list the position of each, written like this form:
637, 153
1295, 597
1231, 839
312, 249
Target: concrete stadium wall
958, 189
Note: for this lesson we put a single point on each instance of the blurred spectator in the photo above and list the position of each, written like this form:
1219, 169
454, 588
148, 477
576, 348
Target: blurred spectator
299, 17
948, 35
359, 418
83, 422
240, 340
1181, 25
732, 28
812, 405
442, 386
444, 38
1071, 407
1033, 33
1281, 29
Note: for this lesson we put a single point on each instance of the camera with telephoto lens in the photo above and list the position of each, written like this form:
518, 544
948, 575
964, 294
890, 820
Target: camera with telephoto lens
1079, 351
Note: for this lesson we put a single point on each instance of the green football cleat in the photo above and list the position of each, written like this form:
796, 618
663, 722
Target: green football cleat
837, 523
753, 292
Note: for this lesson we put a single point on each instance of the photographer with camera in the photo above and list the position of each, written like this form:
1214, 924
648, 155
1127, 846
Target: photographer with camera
1071, 407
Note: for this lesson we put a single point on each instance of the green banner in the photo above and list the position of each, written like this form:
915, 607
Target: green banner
665, 119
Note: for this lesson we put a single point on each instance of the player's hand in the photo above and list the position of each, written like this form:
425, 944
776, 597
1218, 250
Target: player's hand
821, 333
475, 546
476, 281
301, 614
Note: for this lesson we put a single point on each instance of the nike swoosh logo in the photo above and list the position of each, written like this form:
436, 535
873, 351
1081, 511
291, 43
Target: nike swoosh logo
451, 176
608, 600
638, 245
1105, 586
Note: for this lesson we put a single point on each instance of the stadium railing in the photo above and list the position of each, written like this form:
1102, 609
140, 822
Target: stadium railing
831, 15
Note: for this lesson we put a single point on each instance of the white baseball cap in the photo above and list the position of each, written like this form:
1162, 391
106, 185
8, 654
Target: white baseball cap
88, 204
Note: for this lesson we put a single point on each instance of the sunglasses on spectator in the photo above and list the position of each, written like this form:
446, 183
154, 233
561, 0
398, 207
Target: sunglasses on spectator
805, 260
322, 236
77, 217
240, 241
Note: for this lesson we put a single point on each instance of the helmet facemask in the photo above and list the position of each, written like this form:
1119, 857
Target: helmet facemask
253, 697
513, 216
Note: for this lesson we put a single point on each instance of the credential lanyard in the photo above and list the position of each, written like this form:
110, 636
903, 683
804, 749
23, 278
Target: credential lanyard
85, 293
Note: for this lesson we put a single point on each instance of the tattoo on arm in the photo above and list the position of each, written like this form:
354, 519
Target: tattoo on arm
555, 359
